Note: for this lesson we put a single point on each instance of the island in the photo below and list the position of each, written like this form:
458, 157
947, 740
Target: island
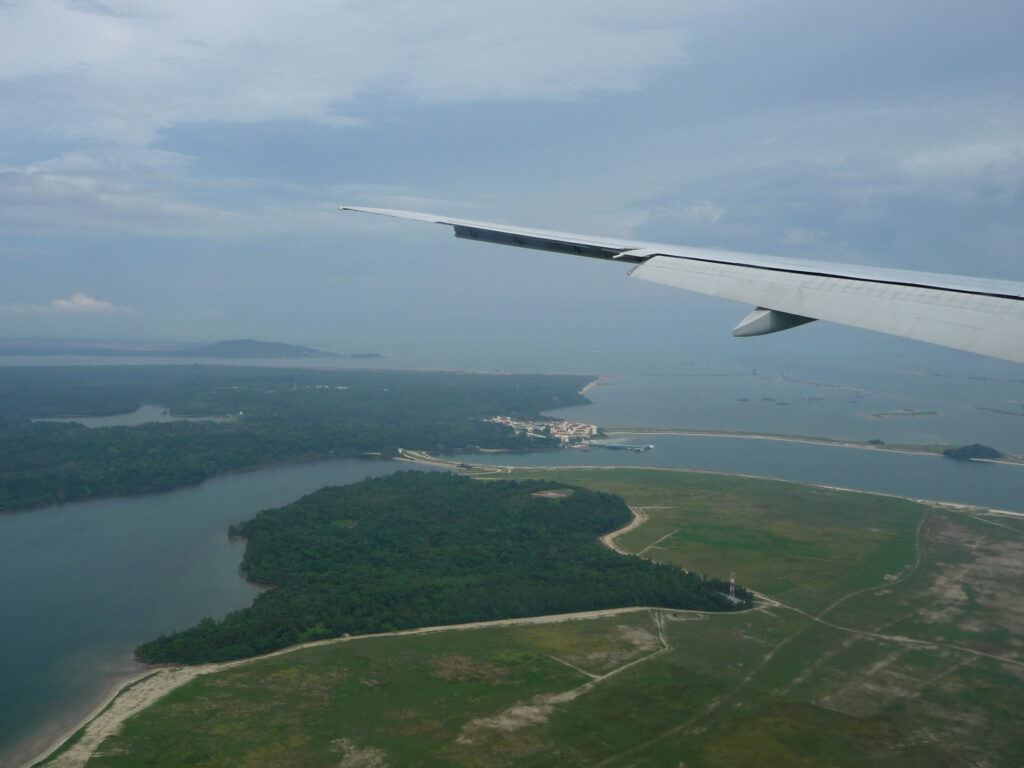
970, 452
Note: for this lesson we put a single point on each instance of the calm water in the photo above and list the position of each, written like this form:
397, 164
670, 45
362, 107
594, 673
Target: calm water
918, 476
953, 410
146, 414
83, 584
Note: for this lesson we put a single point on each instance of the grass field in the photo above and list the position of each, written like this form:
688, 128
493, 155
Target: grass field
890, 634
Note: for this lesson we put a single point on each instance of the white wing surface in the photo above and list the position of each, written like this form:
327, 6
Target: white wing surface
973, 314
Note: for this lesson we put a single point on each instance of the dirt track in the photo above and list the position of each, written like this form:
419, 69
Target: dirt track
143, 690
139, 692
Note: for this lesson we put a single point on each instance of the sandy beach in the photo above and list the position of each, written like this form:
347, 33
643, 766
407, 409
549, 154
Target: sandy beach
45, 740
596, 382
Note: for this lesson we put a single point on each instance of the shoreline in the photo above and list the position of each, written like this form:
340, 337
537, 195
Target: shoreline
916, 450
55, 736
52, 737
493, 469
146, 688
136, 694
596, 382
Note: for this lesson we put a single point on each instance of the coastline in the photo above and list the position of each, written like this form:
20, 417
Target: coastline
126, 696
492, 469
52, 736
596, 382
142, 690
131, 695
919, 450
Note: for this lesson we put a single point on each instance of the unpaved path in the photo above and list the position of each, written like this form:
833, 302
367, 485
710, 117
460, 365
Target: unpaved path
145, 689
900, 640
139, 692
539, 708
609, 539
426, 458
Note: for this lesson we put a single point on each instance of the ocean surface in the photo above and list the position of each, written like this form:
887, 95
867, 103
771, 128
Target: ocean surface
909, 408
919, 476
84, 583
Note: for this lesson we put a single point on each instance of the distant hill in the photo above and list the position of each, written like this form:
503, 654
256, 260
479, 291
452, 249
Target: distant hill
237, 348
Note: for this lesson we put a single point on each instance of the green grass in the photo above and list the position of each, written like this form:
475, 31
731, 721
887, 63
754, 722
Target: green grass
410, 694
800, 544
769, 687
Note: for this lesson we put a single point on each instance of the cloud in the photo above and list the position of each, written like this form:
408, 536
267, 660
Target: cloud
120, 72
77, 303
967, 159
798, 236
704, 212
37, 200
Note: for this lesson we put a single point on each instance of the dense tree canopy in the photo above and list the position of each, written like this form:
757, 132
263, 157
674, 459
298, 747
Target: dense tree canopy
276, 415
968, 452
425, 549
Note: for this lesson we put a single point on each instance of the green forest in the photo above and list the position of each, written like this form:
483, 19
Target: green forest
425, 549
272, 416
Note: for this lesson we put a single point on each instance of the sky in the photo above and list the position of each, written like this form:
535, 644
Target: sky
172, 170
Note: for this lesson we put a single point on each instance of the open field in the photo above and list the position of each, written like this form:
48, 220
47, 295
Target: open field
890, 633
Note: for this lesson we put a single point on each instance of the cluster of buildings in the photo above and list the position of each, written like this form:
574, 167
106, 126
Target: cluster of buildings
567, 432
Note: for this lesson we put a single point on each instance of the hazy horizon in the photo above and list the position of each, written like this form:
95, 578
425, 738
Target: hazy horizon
174, 171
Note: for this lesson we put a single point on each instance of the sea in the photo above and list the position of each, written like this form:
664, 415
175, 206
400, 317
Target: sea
84, 583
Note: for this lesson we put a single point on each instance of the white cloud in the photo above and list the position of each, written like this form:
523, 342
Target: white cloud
704, 212
120, 72
77, 303
34, 198
798, 236
967, 159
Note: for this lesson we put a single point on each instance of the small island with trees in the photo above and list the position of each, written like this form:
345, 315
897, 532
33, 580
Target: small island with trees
969, 452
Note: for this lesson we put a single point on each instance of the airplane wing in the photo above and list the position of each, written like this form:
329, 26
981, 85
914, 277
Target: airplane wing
972, 314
